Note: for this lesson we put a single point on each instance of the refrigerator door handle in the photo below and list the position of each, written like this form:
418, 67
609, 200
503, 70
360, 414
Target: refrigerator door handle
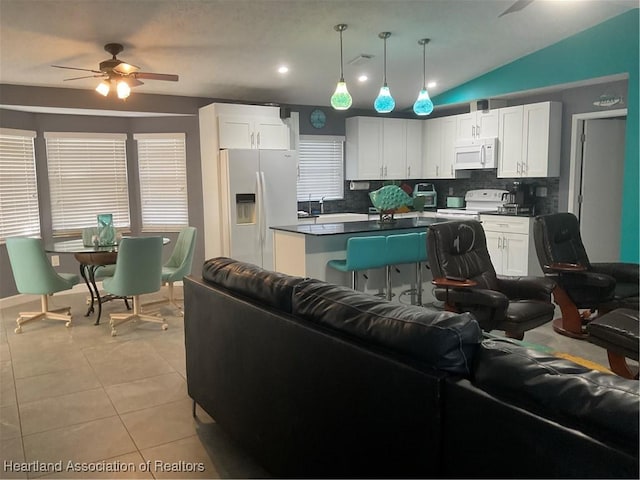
263, 212
259, 207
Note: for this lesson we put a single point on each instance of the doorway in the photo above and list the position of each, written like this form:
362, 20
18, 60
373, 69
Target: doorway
595, 187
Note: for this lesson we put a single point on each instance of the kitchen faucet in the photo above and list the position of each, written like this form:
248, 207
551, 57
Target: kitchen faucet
309, 205
322, 205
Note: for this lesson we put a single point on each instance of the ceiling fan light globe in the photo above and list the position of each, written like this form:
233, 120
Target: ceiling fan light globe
123, 89
341, 100
384, 103
103, 88
423, 105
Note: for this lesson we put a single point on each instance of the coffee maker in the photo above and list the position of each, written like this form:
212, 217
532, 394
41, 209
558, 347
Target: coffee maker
518, 200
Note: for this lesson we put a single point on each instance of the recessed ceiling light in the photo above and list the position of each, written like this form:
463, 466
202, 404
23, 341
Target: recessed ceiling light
431, 84
363, 78
283, 69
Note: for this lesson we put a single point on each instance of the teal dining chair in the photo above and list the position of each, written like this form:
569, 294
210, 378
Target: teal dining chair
34, 275
138, 271
178, 265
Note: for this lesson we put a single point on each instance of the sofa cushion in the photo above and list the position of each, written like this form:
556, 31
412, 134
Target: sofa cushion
443, 340
267, 287
591, 401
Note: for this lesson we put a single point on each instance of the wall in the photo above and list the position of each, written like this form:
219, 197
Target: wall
609, 48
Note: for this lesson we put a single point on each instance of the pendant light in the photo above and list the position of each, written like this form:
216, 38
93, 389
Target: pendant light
423, 105
384, 103
341, 100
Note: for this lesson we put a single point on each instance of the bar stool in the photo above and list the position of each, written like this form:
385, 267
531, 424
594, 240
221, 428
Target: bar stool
363, 253
422, 257
401, 249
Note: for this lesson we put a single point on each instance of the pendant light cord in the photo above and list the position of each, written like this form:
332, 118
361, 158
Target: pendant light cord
384, 77
341, 72
424, 66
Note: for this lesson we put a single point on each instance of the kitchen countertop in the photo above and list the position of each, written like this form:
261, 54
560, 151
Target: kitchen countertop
372, 226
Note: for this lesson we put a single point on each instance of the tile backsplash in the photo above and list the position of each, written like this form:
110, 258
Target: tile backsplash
358, 201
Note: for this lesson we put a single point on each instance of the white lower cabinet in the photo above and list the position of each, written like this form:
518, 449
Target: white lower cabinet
510, 244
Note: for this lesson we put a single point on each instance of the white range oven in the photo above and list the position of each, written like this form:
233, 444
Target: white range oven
476, 202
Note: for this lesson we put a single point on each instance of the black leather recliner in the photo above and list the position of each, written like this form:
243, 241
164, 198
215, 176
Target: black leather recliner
581, 284
466, 281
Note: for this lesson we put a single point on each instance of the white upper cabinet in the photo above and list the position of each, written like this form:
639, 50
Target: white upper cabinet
383, 148
530, 140
478, 124
440, 135
414, 149
265, 133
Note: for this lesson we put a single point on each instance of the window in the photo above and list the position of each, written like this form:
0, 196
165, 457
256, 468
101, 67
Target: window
19, 214
87, 176
320, 168
163, 181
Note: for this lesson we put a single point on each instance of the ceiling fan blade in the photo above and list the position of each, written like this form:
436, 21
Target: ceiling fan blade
516, 7
134, 82
157, 76
125, 68
86, 76
74, 68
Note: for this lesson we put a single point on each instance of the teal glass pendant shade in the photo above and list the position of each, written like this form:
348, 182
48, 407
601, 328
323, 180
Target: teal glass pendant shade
423, 105
384, 103
341, 100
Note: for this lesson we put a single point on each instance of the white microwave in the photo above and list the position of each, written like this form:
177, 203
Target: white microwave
476, 153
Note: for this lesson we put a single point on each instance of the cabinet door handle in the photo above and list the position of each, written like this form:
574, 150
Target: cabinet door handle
451, 170
252, 144
478, 130
499, 242
518, 168
258, 142
437, 170
385, 170
409, 170
504, 242
524, 168
473, 131
381, 172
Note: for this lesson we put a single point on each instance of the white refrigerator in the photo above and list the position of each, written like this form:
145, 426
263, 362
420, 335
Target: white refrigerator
258, 190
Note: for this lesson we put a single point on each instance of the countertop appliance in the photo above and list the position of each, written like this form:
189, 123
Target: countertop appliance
518, 200
428, 191
487, 200
258, 190
476, 153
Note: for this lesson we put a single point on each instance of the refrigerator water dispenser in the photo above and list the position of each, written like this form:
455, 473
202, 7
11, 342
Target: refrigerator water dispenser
245, 208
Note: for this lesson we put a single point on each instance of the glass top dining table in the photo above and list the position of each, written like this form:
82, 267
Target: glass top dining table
91, 258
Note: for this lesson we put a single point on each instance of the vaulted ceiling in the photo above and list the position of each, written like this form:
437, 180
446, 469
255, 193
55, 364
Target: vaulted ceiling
232, 48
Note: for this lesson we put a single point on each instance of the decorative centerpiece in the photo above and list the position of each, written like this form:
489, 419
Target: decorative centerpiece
388, 200
106, 231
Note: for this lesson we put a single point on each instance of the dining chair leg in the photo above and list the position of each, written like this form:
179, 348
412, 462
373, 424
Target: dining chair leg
120, 318
25, 317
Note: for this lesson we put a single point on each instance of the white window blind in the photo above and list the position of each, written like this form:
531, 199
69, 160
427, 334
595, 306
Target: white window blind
87, 176
320, 167
163, 180
19, 214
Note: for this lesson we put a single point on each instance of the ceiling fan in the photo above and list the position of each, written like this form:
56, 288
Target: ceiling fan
115, 71
516, 7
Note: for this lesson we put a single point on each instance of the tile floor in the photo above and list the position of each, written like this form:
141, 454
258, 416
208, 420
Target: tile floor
78, 394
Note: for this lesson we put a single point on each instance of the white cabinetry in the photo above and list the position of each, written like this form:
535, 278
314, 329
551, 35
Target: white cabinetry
252, 132
230, 125
510, 244
478, 124
529, 137
439, 140
383, 148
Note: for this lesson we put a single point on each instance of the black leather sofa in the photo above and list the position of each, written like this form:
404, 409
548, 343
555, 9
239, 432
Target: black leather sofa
316, 380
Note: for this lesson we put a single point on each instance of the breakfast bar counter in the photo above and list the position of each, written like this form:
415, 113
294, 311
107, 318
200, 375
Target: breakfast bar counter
304, 250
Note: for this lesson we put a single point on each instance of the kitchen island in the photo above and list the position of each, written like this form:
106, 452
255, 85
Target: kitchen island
304, 250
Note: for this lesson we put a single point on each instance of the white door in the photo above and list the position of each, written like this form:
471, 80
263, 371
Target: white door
602, 174
414, 149
535, 133
271, 134
394, 148
431, 147
279, 173
515, 259
494, 246
487, 123
235, 132
242, 242
510, 142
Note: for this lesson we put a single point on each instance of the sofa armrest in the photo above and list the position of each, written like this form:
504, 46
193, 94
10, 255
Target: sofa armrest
474, 297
